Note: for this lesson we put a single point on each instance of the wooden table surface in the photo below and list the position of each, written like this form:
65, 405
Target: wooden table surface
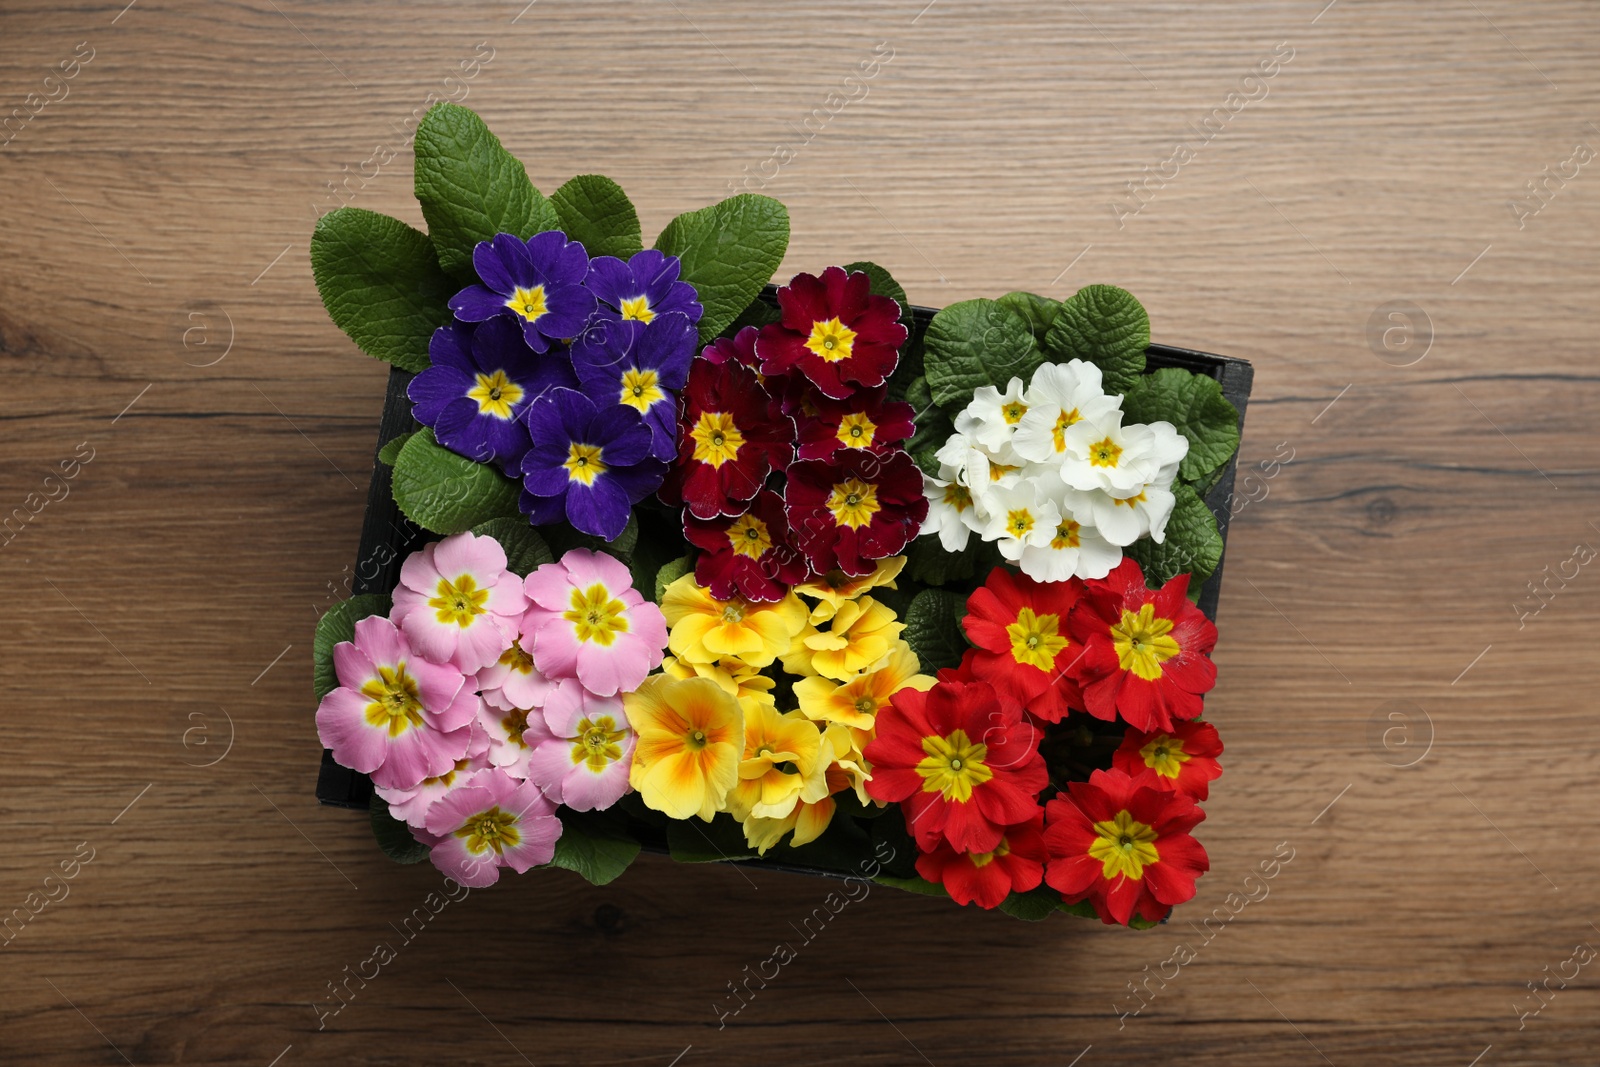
1398, 716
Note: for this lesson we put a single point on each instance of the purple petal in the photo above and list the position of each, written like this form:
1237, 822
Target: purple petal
434, 388
610, 279
475, 303
451, 346
622, 433
667, 344
600, 509
639, 480
543, 510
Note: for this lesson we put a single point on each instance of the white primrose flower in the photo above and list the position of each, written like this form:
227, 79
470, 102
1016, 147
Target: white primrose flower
1060, 395
992, 417
1123, 520
1020, 517
1073, 549
1121, 460
979, 469
951, 513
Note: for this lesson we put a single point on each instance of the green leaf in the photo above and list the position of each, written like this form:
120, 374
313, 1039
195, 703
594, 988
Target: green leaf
381, 283
883, 283
391, 449
670, 573
933, 628
728, 252
526, 551
596, 212
1192, 544
471, 188
914, 884
928, 562
1195, 405
910, 365
1037, 311
394, 837
446, 493
932, 426
1106, 326
973, 344
562, 538
593, 847
758, 314
693, 841
1034, 906
337, 624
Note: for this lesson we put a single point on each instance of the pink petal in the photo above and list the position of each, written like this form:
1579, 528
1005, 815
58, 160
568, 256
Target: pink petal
435, 641
438, 685
570, 703
604, 670
482, 641
381, 641
529, 690
342, 726
555, 649
467, 553
452, 810
418, 574
549, 587
457, 714
418, 754
352, 666
548, 767
587, 567
538, 843
507, 597
584, 790
454, 858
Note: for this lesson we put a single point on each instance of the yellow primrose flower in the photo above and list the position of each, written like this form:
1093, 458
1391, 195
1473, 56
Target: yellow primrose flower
860, 634
840, 768
836, 587
687, 756
780, 756
738, 679
857, 702
705, 630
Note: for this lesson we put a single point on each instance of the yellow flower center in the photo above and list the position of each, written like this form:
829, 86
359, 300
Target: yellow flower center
1066, 535
596, 615
1165, 755
953, 766
529, 303
1000, 470
514, 724
460, 601
749, 537
854, 502
495, 394
492, 829
1125, 846
396, 703
866, 705
1019, 522
1143, 642
515, 658
1036, 640
584, 464
1012, 412
856, 431
637, 307
1058, 433
716, 439
1104, 453
1129, 502
831, 340
983, 859
641, 388
958, 497
599, 743
695, 739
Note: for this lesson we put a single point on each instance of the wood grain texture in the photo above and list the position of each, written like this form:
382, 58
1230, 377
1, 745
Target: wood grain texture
163, 207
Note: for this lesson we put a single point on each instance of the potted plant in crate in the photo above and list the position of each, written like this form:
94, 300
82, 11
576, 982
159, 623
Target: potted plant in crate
660, 556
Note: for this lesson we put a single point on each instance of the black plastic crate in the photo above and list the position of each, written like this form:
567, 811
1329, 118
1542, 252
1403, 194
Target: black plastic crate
387, 536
